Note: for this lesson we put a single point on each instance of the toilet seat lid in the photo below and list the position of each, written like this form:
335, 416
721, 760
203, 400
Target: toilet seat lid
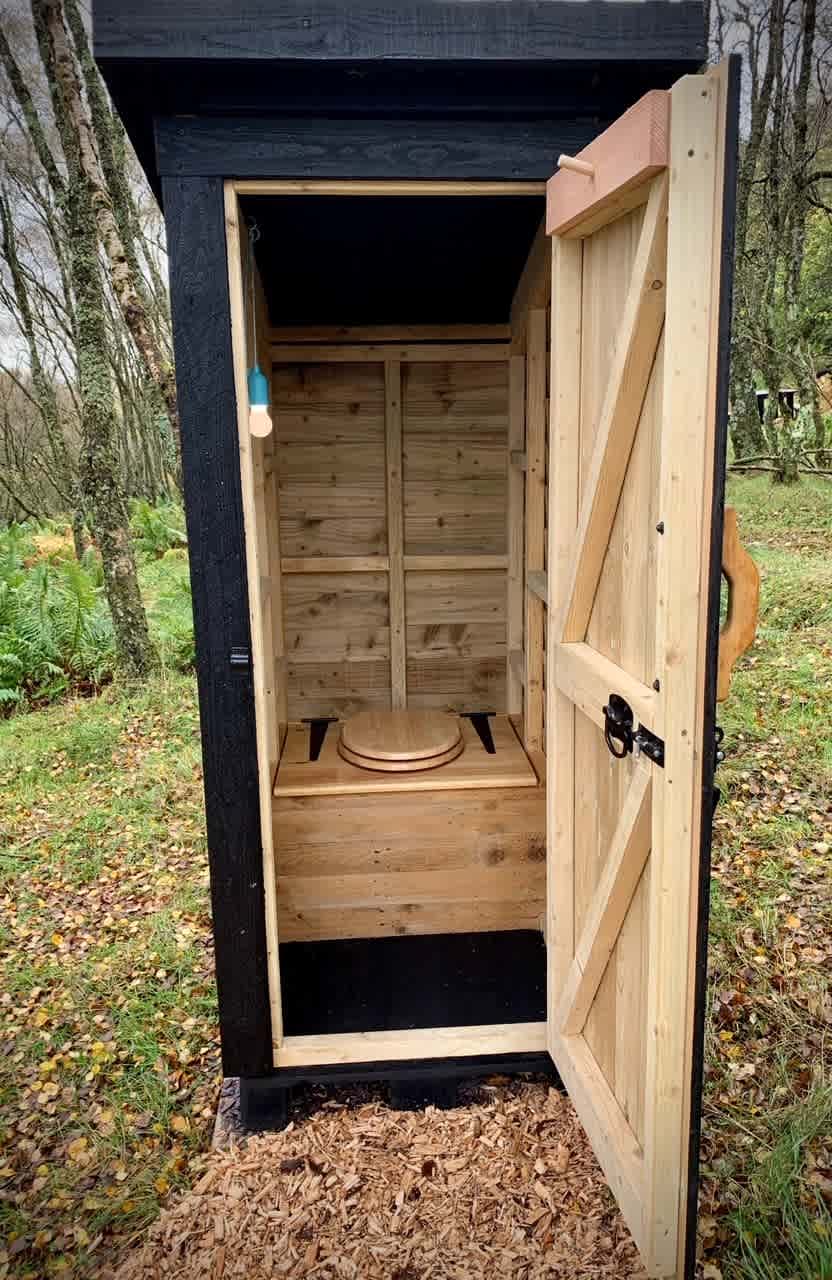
400, 735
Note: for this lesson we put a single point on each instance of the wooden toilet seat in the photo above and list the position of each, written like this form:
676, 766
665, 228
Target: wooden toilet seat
400, 741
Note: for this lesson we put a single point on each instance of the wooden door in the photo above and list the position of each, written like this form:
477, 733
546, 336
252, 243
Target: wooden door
639, 326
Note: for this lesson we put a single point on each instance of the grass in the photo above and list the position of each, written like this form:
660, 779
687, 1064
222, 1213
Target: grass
109, 1065
767, 1143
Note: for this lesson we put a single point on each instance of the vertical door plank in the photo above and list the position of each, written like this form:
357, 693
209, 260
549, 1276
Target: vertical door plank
724, 81
686, 474
395, 530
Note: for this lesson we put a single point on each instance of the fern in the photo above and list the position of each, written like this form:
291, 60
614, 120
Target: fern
156, 529
55, 630
56, 634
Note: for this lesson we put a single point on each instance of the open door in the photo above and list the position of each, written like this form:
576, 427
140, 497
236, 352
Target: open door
640, 307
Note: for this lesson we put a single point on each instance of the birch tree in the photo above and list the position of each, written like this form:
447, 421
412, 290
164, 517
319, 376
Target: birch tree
786, 62
99, 470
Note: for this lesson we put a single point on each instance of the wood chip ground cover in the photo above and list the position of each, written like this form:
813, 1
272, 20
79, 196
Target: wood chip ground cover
503, 1185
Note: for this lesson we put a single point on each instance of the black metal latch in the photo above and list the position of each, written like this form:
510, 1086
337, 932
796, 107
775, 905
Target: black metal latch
618, 726
621, 737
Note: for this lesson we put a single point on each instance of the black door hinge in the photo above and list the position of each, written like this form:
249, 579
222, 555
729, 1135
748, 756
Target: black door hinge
719, 756
240, 657
621, 737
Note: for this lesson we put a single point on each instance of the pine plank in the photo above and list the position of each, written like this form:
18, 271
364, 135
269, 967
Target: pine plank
395, 531
626, 383
515, 529
390, 1046
535, 521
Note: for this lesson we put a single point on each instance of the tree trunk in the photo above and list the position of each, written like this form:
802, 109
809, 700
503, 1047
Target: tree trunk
747, 433
823, 457
61, 472
99, 471
124, 273
746, 428
79, 541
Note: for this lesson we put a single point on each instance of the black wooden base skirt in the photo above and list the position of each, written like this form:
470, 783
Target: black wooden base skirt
394, 984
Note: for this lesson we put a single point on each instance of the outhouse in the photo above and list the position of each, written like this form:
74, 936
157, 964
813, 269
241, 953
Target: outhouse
450, 283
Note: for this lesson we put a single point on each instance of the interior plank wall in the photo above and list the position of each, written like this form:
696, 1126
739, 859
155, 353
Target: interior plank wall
455, 419
527, 522
336, 458
329, 439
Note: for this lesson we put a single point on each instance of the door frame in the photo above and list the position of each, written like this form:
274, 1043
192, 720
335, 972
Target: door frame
360, 1047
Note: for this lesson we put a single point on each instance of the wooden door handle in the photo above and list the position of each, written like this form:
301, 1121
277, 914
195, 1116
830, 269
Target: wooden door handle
740, 627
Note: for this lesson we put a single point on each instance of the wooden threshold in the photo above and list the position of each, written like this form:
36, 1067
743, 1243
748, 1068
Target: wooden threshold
397, 1046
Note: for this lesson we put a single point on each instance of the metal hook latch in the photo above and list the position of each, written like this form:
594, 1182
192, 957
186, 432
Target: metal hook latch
622, 739
618, 726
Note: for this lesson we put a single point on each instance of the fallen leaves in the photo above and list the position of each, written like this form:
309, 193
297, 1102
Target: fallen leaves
104, 887
77, 1150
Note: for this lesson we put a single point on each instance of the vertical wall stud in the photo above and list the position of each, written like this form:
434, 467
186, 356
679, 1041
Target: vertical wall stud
515, 533
395, 530
535, 520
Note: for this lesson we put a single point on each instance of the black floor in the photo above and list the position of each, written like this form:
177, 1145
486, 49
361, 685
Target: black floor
392, 984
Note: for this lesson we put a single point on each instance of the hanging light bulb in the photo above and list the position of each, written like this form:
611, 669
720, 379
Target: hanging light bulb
259, 414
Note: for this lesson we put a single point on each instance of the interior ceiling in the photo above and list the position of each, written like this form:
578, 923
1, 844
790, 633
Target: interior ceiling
359, 260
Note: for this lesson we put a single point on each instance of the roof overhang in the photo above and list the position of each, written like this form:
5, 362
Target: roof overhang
530, 59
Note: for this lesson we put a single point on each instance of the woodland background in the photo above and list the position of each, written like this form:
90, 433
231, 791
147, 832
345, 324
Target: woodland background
89, 427
108, 1052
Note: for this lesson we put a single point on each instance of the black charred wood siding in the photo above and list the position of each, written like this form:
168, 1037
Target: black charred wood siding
195, 220
446, 30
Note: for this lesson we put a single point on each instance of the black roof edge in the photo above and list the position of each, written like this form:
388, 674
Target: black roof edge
439, 30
